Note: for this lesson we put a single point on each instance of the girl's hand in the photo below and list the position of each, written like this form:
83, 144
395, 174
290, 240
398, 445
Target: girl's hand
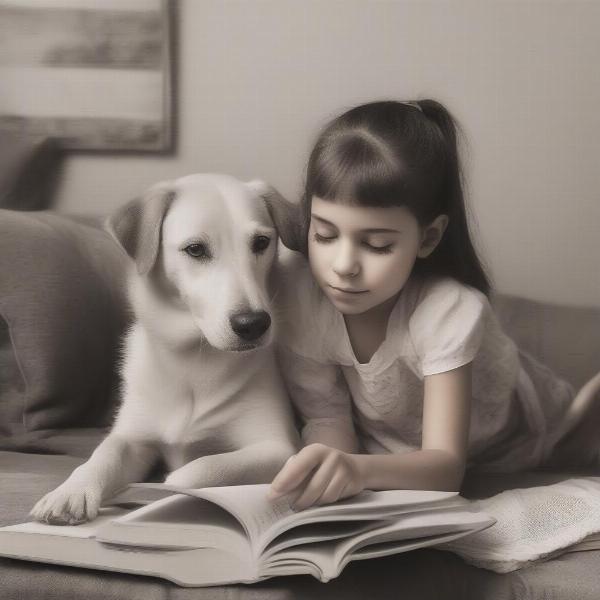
318, 474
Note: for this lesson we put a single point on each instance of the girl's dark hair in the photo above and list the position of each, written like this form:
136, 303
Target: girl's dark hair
393, 153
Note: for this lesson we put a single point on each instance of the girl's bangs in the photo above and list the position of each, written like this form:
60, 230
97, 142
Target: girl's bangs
365, 180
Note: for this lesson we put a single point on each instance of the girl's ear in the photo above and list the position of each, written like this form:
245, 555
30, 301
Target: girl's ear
287, 216
432, 235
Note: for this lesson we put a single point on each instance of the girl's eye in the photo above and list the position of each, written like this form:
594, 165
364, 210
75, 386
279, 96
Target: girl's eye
323, 239
260, 243
380, 249
196, 250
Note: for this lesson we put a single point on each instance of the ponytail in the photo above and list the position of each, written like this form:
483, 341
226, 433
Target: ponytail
456, 253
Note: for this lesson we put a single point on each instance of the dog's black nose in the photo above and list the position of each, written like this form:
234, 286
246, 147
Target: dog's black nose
250, 325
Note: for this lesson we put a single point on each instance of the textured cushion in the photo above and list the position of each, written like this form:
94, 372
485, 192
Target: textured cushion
62, 310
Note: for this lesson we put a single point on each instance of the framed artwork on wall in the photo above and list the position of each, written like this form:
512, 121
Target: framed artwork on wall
93, 75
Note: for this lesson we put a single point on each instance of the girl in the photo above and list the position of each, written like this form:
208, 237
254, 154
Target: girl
394, 359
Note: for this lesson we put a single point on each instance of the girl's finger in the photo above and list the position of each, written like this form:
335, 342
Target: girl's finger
295, 471
335, 489
317, 484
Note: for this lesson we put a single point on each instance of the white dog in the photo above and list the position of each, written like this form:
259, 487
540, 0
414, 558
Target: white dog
200, 385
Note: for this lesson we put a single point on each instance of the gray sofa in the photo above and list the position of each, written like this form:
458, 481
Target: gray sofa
62, 311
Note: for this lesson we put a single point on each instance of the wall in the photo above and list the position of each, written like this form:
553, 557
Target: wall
257, 79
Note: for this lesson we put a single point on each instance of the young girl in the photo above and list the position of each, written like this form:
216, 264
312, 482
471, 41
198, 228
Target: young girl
392, 355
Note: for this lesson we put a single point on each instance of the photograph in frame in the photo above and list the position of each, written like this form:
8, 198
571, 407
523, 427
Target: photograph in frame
94, 76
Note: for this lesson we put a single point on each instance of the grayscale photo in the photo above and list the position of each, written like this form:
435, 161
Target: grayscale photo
95, 75
299, 299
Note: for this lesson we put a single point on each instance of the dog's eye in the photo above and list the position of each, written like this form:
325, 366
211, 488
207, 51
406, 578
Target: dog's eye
197, 251
260, 243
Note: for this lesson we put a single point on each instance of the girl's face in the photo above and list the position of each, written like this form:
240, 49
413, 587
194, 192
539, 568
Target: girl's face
361, 257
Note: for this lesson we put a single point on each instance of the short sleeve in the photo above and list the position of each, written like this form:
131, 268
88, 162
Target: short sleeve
447, 326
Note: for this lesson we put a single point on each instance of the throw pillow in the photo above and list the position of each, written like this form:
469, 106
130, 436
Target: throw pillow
62, 311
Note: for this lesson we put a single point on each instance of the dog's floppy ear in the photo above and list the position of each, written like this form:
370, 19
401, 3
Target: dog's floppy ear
137, 225
288, 217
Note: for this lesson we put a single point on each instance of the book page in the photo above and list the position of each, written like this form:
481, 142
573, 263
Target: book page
263, 519
385, 502
198, 567
247, 503
250, 505
85, 530
328, 558
318, 532
178, 521
416, 526
368, 505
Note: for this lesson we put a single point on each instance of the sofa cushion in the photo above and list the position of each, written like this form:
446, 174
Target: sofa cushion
565, 338
30, 170
27, 477
62, 310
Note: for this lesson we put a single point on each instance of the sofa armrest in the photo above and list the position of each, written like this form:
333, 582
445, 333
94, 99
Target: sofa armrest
566, 338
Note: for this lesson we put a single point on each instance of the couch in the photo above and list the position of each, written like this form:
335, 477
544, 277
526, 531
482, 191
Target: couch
62, 312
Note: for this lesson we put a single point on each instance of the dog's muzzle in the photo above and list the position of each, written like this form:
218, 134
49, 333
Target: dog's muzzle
250, 325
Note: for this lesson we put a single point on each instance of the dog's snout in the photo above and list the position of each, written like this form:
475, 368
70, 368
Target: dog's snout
250, 325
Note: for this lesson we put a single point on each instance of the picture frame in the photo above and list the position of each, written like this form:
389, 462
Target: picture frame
95, 76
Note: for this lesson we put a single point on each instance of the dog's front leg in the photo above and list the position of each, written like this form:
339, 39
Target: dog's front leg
256, 463
115, 463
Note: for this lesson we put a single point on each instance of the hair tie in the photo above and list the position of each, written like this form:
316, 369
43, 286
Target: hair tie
412, 103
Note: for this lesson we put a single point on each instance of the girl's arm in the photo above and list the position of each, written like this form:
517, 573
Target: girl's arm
333, 436
319, 475
440, 464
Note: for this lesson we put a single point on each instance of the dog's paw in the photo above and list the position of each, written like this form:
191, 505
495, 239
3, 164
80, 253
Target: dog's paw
68, 504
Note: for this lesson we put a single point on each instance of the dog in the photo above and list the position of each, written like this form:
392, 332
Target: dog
201, 390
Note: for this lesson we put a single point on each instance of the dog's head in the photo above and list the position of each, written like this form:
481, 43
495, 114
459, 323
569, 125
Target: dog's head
207, 245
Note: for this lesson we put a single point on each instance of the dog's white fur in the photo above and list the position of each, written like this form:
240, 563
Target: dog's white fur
206, 399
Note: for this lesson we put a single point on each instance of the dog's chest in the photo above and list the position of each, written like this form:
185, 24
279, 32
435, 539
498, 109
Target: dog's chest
190, 421
207, 403
182, 399
194, 432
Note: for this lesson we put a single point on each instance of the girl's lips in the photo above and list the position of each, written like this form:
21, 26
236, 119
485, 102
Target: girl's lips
343, 291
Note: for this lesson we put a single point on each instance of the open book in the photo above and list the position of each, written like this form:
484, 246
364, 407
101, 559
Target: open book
221, 535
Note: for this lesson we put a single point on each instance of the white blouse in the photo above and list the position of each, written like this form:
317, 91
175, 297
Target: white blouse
436, 325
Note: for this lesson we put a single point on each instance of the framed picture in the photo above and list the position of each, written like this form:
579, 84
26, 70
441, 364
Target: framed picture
94, 75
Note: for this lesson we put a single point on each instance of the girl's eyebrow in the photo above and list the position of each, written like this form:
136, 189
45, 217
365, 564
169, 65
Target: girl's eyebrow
370, 230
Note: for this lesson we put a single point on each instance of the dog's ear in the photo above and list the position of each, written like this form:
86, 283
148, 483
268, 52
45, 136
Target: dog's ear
288, 217
137, 225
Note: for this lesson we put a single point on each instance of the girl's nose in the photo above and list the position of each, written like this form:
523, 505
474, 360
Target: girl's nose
345, 263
